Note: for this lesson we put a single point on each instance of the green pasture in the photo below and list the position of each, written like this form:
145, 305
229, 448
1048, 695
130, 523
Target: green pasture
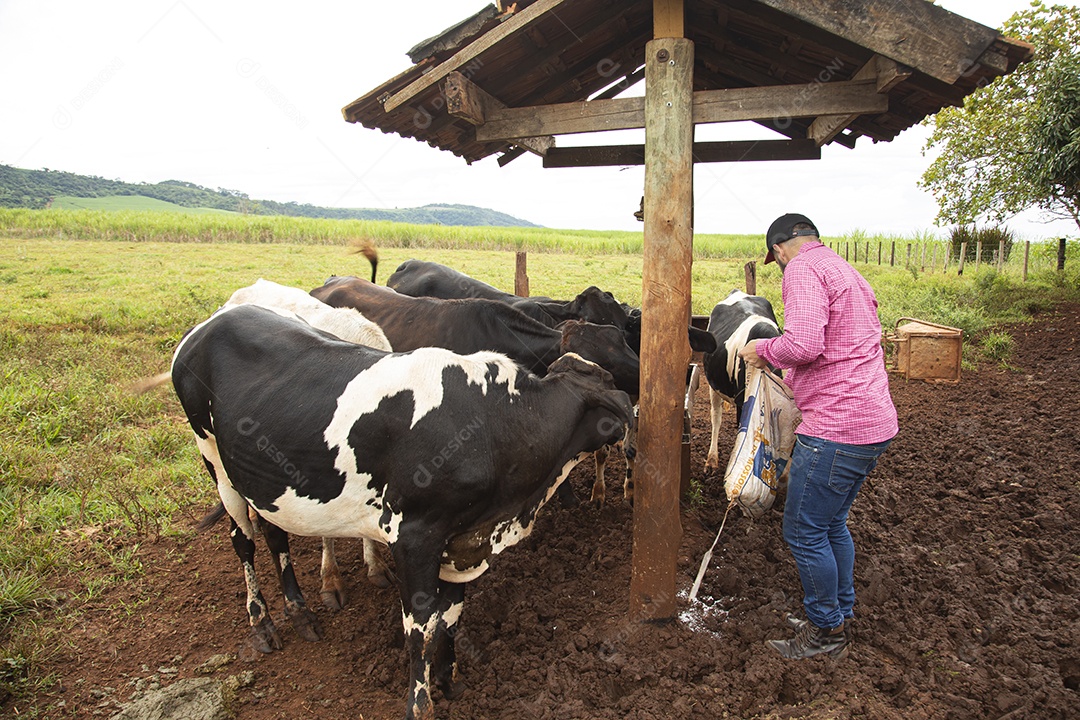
90, 469
134, 203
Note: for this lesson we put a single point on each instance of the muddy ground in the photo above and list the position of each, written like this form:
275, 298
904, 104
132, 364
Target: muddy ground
967, 575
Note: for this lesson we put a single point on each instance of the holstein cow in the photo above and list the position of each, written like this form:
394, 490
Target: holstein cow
347, 324
446, 458
735, 320
470, 324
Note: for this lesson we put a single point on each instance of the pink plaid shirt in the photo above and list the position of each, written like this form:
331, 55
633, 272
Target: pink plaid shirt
832, 345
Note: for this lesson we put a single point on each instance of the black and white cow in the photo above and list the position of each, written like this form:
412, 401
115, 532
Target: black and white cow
446, 458
735, 320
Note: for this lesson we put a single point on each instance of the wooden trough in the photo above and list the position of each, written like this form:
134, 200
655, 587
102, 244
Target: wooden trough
923, 350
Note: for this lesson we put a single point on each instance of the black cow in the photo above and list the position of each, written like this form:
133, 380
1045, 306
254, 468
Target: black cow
471, 324
422, 278
445, 458
735, 320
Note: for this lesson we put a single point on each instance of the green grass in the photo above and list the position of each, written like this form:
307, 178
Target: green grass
136, 203
90, 469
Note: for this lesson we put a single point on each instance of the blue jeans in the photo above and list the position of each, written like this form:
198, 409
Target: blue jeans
824, 480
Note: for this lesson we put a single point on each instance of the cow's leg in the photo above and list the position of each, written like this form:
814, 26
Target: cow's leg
378, 574
600, 456
305, 622
333, 587
416, 556
629, 444
716, 407
264, 635
445, 670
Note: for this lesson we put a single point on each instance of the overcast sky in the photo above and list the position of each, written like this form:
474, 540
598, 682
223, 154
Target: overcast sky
248, 96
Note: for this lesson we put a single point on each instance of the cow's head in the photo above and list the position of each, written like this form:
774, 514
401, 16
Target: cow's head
606, 346
608, 410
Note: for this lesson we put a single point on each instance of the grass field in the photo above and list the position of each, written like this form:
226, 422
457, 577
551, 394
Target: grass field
134, 203
89, 468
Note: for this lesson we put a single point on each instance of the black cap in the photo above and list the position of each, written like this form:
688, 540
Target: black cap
783, 229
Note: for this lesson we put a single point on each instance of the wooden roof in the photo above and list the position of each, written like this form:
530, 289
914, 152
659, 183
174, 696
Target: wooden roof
887, 64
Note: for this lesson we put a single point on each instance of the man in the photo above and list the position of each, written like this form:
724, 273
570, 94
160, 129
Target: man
831, 345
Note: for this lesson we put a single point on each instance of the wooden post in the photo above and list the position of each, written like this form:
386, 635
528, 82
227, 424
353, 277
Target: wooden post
521, 275
908, 263
922, 262
963, 257
847, 255
1061, 255
665, 314
1027, 256
856, 251
892, 255
879, 244
750, 271
867, 258
978, 254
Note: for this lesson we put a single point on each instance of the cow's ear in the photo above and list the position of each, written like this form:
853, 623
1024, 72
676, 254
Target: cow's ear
701, 340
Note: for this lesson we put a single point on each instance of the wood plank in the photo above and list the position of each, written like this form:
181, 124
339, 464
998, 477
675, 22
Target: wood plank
514, 25
668, 18
704, 152
468, 101
665, 313
883, 73
731, 105
912, 32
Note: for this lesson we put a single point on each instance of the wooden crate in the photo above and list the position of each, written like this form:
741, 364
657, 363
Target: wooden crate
923, 350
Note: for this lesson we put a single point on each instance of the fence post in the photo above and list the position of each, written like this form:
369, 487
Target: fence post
978, 255
922, 262
1001, 255
847, 255
1061, 255
908, 255
879, 244
1027, 254
892, 255
750, 271
521, 275
963, 256
856, 244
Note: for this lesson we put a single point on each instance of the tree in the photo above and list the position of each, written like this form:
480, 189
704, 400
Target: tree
1015, 143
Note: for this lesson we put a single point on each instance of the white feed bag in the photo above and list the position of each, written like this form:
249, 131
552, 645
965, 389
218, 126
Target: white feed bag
762, 453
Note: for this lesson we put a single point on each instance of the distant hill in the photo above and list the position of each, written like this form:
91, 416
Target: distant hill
39, 189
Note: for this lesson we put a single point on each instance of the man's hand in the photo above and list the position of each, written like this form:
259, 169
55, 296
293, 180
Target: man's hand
750, 357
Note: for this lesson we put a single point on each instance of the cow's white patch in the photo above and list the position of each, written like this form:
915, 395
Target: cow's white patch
738, 339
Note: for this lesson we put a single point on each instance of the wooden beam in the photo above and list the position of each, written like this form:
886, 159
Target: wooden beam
883, 73
914, 32
668, 19
704, 152
466, 100
516, 24
665, 313
709, 106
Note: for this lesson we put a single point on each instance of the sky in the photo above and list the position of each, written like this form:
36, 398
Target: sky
248, 97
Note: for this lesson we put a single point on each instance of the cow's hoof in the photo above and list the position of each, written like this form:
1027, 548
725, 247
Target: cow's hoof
380, 579
333, 599
597, 502
567, 497
307, 625
264, 636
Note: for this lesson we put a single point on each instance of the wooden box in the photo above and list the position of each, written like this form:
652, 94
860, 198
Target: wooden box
926, 351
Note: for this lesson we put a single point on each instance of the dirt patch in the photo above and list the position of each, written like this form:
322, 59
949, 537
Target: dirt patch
967, 578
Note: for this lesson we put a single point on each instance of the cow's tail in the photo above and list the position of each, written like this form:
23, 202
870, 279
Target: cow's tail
147, 384
366, 248
211, 518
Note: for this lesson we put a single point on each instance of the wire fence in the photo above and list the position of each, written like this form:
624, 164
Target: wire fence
1023, 259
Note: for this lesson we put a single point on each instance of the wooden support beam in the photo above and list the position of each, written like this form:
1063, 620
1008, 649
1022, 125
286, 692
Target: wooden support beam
466, 100
665, 313
883, 73
668, 19
704, 152
913, 32
708, 106
514, 25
